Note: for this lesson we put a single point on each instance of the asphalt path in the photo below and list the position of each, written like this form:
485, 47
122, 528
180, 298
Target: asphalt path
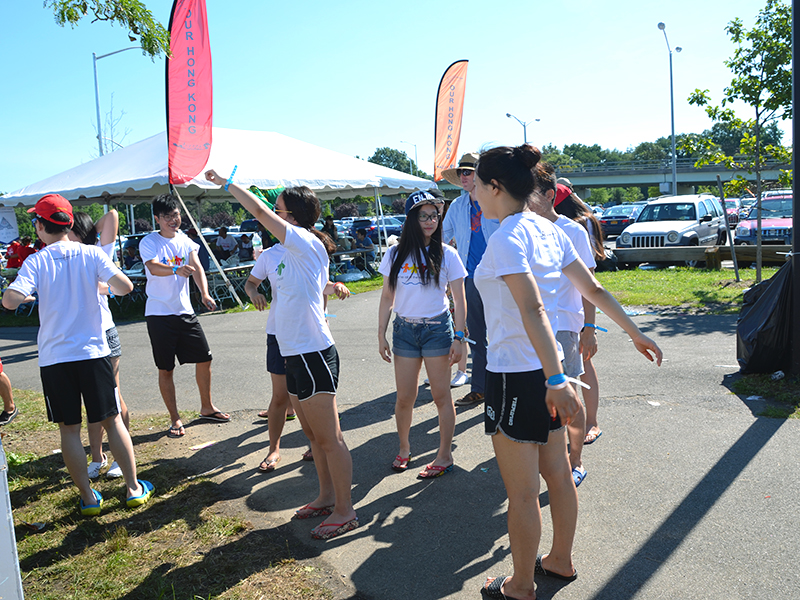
690, 493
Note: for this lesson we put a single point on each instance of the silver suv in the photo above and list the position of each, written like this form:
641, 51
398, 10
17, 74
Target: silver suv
692, 220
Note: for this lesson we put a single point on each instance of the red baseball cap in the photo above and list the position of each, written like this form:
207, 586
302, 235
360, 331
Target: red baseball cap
562, 193
50, 204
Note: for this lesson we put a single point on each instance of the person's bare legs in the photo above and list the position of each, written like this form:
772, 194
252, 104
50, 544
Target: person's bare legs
576, 431
438, 368
6, 394
331, 458
75, 460
95, 430
119, 441
591, 398
166, 384
278, 407
554, 466
519, 467
406, 376
203, 377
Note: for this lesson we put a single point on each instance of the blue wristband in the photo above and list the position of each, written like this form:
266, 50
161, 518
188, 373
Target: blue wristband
174, 269
459, 335
230, 179
593, 326
556, 379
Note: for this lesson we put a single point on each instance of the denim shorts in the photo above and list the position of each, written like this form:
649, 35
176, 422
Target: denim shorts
416, 338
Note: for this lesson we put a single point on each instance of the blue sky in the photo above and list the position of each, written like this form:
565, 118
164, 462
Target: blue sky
357, 75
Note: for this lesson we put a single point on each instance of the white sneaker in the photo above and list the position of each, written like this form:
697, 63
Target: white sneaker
114, 471
460, 379
94, 467
426, 382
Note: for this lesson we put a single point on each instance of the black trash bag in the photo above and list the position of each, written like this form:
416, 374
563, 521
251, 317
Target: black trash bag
609, 263
764, 327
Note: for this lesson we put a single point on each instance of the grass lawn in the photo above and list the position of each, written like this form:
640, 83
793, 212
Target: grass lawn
187, 543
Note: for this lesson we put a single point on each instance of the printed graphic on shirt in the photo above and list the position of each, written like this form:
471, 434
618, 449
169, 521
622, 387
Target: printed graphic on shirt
281, 267
411, 273
175, 261
475, 218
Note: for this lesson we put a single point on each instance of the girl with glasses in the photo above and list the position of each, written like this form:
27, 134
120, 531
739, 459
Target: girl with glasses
416, 273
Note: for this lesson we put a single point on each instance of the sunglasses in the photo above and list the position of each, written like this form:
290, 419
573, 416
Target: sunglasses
464, 172
33, 220
288, 212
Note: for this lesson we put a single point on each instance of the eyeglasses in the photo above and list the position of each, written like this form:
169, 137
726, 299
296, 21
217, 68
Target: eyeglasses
288, 212
173, 218
425, 217
465, 172
33, 220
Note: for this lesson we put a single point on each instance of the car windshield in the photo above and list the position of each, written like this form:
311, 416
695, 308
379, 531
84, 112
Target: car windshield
618, 211
730, 203
773, 208
668, 212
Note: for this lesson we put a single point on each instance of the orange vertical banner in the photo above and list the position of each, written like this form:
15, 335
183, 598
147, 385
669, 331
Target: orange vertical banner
189, 91
449, 110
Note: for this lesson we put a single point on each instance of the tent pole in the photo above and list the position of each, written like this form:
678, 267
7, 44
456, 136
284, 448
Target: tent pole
228, 284
379, 212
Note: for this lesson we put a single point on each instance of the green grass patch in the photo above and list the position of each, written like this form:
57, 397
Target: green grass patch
784, 394
186, 543
714, 291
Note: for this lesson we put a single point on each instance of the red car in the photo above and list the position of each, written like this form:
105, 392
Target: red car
733, 207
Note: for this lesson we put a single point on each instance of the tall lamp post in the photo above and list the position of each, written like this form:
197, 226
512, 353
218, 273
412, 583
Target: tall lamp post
416, 164
95, 58
524, 125
674, 190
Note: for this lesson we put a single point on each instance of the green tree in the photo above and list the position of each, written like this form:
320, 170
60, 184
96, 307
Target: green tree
131, 14
397, 160
762, 78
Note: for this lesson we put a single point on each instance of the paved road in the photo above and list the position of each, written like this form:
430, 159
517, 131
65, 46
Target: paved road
689, 494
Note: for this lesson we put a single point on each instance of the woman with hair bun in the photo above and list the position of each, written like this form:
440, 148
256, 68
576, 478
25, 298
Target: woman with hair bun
302, 332
528, 397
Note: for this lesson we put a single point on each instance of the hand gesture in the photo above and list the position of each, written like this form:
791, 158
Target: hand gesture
648, 347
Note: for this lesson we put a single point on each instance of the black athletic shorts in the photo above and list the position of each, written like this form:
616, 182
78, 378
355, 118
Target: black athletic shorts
312, 373
515, 406
276, 364
177, 335
65, 383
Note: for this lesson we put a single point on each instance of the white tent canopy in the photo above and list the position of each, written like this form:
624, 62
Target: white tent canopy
138, 172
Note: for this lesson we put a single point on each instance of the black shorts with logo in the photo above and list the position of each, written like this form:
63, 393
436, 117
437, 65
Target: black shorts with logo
313, 373
515, 405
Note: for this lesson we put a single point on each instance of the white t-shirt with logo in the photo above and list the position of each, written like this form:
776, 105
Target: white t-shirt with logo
300, 280
167, 295
266, 267
226, 243
66, 276
570, 301
524, 243
413, 299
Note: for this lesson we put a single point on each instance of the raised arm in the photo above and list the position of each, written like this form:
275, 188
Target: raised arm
274, 224
107, 227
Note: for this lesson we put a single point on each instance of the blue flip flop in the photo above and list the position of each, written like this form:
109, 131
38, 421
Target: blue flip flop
147, 488
588, 442
578, 475
92, 510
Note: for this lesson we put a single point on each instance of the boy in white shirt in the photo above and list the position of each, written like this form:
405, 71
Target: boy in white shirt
73, 351
170, 258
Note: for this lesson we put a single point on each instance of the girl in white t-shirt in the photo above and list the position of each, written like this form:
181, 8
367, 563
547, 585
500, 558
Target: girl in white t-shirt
416, 272
103, 234
528, 397
312, 363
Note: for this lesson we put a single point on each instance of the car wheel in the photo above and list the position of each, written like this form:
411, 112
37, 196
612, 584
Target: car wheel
722, 238
695, 264
628, 265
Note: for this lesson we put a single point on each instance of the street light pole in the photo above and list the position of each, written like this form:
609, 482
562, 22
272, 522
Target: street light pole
674, 190
416, 164
95, 58
524, 125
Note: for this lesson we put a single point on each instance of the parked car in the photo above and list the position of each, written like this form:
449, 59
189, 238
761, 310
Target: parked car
733, 208
692, 220
392, 227
617, 218
776, 222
